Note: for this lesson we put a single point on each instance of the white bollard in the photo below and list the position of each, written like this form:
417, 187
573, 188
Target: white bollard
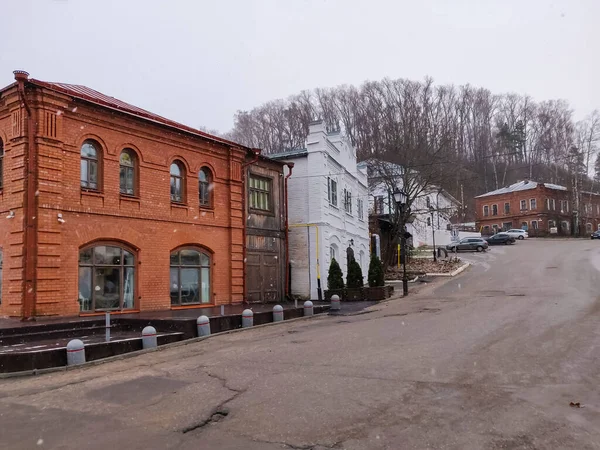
75, 352
149, 339
203, 326
335, 303
247, 318
308, 308
277, 313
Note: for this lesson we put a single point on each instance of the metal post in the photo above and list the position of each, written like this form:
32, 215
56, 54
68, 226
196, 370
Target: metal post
404, 276
433, 236
222, 310
107, 326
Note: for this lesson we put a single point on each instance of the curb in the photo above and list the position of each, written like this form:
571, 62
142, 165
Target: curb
451, 274
148, 350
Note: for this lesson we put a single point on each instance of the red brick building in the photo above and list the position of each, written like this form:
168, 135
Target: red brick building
105, 206
536, 207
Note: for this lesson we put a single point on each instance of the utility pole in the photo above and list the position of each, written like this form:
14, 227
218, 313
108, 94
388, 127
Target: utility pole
462, 203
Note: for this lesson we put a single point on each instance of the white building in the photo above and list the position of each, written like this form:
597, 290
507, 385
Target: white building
432, 210
328, 209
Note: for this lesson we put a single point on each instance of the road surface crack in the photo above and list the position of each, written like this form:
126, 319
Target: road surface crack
218, 414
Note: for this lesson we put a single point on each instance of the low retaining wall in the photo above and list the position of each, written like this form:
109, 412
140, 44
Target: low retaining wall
169, 330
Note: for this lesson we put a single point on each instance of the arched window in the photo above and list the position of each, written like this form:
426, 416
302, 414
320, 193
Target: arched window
204, 187
177, 182
90, 165
190, 277
127, 172
1, 165
333, 252
106, 278
588, 227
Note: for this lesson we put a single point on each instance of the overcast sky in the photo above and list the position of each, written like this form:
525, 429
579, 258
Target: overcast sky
197, 62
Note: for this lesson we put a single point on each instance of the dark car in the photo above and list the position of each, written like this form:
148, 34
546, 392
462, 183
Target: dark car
468, 244
595, 235
500, 239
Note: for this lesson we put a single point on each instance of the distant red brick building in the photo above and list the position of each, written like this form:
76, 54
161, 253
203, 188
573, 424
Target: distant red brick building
105, 206
536, 207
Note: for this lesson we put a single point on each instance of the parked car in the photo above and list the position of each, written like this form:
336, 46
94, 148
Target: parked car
500, 239
518, 234
595, 235
469, 244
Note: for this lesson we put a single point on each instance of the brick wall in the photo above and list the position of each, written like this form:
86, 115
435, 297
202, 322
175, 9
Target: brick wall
148, 223
524, 207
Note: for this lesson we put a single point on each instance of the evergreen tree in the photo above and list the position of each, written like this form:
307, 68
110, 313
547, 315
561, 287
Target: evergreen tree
354, 278
335, 278
376, 277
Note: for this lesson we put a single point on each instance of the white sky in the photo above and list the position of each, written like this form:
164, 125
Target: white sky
197, 62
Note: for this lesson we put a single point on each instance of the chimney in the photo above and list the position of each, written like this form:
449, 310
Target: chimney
21, 75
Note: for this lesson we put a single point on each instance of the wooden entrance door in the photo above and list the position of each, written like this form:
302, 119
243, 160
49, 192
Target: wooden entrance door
263, 281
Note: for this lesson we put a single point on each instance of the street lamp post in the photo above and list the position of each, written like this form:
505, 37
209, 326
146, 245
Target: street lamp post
400, 199
431, 211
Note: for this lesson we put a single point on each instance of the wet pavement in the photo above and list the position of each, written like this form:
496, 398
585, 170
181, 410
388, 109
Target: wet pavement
491, 359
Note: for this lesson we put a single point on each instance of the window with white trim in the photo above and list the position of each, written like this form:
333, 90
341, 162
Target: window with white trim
332, 191
533, 203
523, 205
348, 201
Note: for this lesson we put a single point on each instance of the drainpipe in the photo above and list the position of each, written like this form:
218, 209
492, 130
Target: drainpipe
290, 166
256, 152
29, 207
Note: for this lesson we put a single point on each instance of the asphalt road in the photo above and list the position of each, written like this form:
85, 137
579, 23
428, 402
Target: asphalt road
491, 359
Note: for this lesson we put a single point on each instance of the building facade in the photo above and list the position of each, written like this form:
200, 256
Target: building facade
327, 202
105, 206
539, 208
265, 265
431, 213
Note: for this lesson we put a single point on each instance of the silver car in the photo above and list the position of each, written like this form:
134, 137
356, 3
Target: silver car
518, 233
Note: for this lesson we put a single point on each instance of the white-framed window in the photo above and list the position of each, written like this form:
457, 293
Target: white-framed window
494, 210
359, 207
332, 191
506, 208
534, 225
523, 205
564, 225
533, 203
486, 211
333, 252
588, 227
348, 201
551, 224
